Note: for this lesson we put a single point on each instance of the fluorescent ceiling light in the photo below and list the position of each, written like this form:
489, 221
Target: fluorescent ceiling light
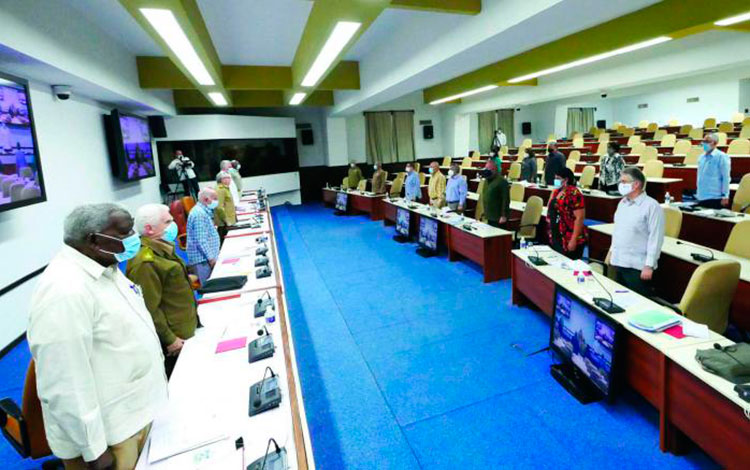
297, 99
342, 33
595, 58
218, 98
733, 19
464, 94
164, 22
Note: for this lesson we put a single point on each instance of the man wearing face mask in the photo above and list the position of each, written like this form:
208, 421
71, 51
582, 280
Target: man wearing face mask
164, 280
436, 188
203, 241
456, 189
90, 335
412, 187
355, 175
234, 172
378, 179
638, 235
554, 164
714, 175
496, 194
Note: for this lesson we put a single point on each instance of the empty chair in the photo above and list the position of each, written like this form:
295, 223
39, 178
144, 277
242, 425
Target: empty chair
672, 222
668, 140
692, 156
521, 153
738, 117
532, 214
397, 185
738, 243
681, 147
514, 173
551, 138
628, 132
345, 183
722, 138
578, 142
188, 203
653, 168
540, 164
417, 166
517, 191
479, 211
422, 178
527, 143
746, 121
587, 176
709, 294
604, 137
659, 134
601, 150
643, 124
709, 123
652, 127
685, 128
15, 190
726, 127
742, 196
576, 135
447, 161
739, 147
7, 182
574, 156
673, 123
616, 125
648, 154
696, 133
633, 139
571, 164
466, 162
475, 155
362, 185
594, 130
504, 150
745, 132
637, 148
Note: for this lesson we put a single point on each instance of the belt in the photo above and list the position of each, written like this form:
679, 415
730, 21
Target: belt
453, 202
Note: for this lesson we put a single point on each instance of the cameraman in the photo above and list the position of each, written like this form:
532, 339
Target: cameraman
184, 168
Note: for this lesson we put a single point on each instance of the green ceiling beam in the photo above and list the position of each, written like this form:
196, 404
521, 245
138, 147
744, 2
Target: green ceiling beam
663, 18
344, 76
187, 99
160, 73
462, 7
254, 77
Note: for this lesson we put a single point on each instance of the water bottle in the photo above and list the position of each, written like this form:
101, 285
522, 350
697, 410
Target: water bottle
581, 278
523, 245
668, 198
270, 315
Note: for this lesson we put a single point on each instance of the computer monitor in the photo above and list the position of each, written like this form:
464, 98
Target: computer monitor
428, 233
587, 342
341, 200
402, 222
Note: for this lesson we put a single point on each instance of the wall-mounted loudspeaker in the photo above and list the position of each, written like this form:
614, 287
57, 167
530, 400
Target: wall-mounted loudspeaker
427, 132
525, 128
601, 124
157, 127
307, 137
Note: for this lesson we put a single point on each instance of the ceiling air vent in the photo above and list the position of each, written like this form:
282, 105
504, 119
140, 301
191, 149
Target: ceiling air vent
693, 100
643, 105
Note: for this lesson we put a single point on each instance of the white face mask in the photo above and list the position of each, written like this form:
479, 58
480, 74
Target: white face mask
625, 188
375, 167
450, 173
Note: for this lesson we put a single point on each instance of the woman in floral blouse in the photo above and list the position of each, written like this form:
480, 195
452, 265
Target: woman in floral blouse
611, 166
565, 214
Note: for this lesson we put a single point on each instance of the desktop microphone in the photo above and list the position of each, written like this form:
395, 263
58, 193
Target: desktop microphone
608, 306
698, 256
744, 208
271, 460
257, 402
536, 260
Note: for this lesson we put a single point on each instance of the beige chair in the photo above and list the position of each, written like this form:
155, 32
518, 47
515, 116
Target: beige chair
479, 210
466, 162
709, 294
447, 161
362, 185
475, 155
30, 192
745, 132
571, 164
417, 166
504, 150
616, 125
540, 164
578, 143
637, 148
514, 173
722, 138
345, 183
738, 243
709, 123
742, 196
652, 127
668, 140
643, 124
739, 147
685, 129
633, 139
604, 137
422, 178
648, 154
15, 191
527, 143
696, 133
692, 156
653, 169
681, 147
551, 138
576, 135
673, 123
574, 156
587, 176
738, 117
532, 214
601, 150
672, 222
517, 191
397, 185
726, 127
594, 131
659, 134
7, 183
628, 132
746, 121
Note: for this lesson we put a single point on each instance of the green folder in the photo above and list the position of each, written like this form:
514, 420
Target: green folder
654, 320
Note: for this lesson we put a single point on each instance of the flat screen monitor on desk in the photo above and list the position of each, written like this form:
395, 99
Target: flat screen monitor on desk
402, 225
428, 236
341, 200
586, 341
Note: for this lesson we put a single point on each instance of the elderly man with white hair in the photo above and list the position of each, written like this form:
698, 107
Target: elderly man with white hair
714, 175
234, 172
99, 371
225, 213
226, 167
203, 241
164, 280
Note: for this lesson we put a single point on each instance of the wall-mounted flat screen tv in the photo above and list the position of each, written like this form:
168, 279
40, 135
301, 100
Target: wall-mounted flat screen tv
129, 140
21, 181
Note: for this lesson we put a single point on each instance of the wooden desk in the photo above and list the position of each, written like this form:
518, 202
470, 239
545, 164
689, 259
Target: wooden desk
599, 205
709, 231
687, 173
675, 269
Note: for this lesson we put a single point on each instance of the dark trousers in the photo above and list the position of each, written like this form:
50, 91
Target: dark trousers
169, 363
608, 187
631, 278
711, 203
191, 188
223, 230
493, 223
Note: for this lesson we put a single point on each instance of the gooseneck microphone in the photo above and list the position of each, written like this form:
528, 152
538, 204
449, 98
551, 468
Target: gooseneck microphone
268, 447
698, 256
608, 305
257, 400
536, 260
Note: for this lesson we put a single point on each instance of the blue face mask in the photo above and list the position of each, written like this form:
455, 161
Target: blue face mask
130, 244
706, 147
558, 183
213, 205
170, 234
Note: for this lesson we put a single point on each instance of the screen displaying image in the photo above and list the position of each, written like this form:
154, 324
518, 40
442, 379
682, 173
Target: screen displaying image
136, 142
428, 233
581, 337
20, 173
341, 199
402, 222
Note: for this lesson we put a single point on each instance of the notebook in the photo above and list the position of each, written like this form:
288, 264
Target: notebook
654, 320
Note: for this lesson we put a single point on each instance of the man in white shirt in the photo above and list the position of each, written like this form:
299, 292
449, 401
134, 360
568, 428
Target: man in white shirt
99, 364
638, 235
184, 168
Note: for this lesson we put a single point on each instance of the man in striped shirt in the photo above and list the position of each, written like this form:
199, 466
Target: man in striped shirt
202, 237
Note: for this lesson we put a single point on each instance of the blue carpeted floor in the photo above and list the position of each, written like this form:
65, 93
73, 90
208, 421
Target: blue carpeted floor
409, 363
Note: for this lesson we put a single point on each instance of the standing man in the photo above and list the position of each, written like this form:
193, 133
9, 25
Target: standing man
554, 164
184, 168
638, 235
355, 175
436, 189
234, 172
225, 213
528, 167
496, 194
714, 170
413, 188
164, 280
378, 179
456, 189
99, 366
226, 167
202, 237
498, 142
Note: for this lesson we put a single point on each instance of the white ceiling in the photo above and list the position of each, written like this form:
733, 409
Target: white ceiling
255, 32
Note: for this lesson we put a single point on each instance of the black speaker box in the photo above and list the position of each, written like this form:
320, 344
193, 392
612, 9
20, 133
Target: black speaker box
601, 124
307, 137
427, 132
157, 127
525, 128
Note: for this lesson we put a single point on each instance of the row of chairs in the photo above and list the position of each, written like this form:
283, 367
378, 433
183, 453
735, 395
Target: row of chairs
19, 188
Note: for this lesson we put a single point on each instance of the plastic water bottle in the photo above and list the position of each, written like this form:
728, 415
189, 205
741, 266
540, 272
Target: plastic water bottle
668, 198
270, 315
581, 278
523, 244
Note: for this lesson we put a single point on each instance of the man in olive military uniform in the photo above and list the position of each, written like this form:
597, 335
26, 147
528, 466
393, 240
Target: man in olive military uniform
225, 213
164, 280
378, 179
436, 189
355, 175
496, 194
